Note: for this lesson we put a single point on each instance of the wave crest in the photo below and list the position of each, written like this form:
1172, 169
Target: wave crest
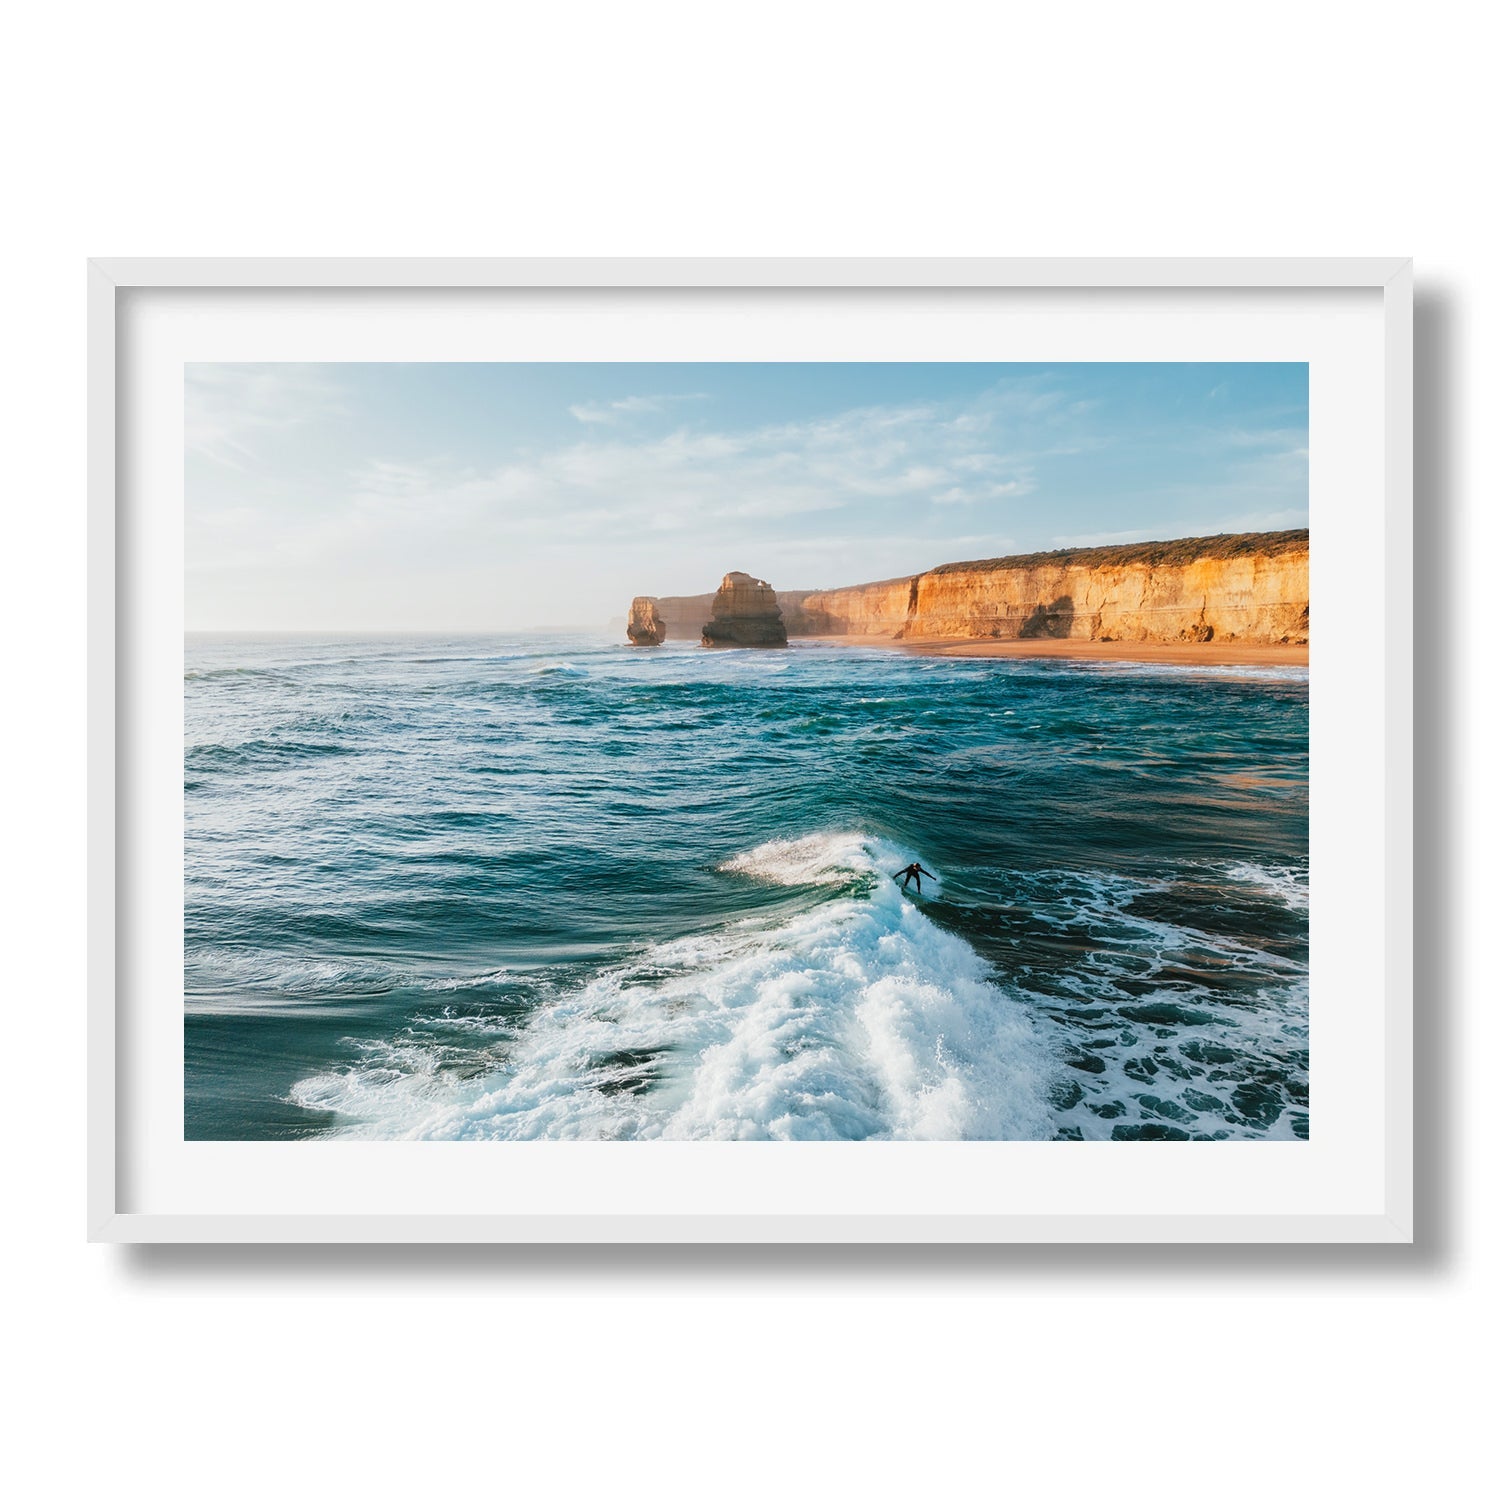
857, 1019
824, 859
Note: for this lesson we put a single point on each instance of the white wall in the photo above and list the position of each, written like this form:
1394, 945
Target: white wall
780, 128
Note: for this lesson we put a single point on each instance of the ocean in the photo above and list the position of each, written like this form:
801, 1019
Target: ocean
554, 886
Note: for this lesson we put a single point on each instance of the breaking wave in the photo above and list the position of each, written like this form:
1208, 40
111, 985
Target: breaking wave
479, 887
858, 1018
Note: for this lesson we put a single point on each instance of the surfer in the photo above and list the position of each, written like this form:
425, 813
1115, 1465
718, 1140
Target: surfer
913, 872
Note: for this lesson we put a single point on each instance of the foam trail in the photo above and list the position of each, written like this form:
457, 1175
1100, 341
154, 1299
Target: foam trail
858, 1018
1286, 884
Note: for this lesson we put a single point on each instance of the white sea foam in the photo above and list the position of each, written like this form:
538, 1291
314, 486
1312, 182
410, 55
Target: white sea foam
1287, 883
1154, 1050
468, 981
857, 1018
828, 859
1245, 672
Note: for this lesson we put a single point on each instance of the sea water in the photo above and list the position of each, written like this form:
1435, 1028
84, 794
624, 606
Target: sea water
533, 886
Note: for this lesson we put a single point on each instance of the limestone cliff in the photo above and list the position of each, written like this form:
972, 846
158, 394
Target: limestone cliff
863, 609
645, 626
1250, 587
685, 615
745, 613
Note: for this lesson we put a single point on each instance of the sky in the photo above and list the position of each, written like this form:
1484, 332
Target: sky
519, 496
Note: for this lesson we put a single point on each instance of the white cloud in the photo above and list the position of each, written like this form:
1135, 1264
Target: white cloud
793, 498
968, 494
230, 410
601, 488
611, 412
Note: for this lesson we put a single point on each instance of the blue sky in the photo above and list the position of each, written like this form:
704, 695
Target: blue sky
507, 496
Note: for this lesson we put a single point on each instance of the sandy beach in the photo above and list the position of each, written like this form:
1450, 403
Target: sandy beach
1185, 654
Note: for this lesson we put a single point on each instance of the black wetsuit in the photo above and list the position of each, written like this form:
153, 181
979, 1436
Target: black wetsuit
914, 872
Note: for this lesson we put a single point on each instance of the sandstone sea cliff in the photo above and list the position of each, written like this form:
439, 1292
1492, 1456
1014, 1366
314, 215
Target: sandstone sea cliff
1247, 587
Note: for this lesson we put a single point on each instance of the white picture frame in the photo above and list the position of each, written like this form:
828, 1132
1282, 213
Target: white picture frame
1360, 1188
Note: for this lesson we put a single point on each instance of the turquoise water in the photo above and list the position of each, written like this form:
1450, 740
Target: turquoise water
522, 886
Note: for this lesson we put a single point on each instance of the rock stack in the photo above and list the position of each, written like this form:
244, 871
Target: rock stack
745, 613
645, 627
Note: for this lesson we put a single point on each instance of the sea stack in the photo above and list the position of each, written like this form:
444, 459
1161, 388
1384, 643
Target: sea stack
745, 613
645, 627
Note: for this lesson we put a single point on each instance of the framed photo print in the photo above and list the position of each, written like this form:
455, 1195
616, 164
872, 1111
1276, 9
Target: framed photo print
751, 751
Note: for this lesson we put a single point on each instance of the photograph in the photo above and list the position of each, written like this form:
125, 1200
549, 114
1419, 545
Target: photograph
668, 738
746, 751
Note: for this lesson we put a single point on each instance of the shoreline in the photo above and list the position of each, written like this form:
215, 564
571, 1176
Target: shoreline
1170, 653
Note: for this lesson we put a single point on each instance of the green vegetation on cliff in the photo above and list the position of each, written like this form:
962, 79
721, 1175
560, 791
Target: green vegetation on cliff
1154, 554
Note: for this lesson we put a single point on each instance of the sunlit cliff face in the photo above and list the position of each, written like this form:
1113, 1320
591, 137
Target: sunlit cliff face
1251, 597
1256, 599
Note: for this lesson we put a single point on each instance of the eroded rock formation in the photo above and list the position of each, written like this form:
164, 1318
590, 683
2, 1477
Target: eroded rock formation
745, 613
1250, 587
645, 626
